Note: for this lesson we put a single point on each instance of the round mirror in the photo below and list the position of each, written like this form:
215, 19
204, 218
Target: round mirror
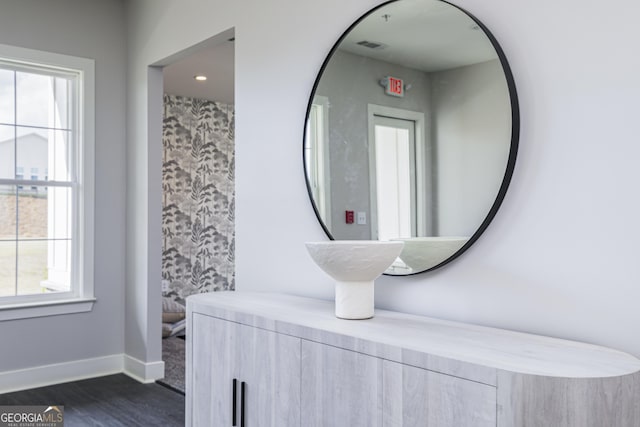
411, 132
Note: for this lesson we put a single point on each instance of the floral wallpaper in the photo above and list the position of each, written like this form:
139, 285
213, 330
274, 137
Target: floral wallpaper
198, 197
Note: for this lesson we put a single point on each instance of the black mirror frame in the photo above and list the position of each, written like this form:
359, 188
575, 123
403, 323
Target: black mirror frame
513, 149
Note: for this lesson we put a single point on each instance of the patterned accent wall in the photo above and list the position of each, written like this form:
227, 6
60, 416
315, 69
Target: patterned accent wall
198, 197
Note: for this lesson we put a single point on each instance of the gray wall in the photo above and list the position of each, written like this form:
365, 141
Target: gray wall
559, 258
471, 118
92, 29
351, 82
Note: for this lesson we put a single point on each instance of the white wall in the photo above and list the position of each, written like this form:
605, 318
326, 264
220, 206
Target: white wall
560, 258
92, 29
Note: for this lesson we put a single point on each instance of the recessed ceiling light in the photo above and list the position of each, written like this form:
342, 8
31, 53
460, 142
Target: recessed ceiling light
200, 77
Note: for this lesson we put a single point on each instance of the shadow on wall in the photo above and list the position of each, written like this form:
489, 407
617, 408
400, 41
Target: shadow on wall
198, 197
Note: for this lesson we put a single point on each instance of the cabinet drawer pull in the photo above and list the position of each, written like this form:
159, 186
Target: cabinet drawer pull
233, 406
242, 387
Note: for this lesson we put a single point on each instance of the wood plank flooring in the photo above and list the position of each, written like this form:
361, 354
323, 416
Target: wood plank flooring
111, 401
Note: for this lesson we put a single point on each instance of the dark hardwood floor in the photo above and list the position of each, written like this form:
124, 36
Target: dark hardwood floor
111, 401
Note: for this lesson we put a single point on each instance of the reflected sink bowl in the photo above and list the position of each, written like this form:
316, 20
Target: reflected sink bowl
354, 265
423, 253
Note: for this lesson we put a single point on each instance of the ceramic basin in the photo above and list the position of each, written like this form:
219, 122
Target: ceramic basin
422, 253
354, 265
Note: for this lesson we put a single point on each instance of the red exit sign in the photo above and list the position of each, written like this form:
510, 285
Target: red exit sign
395, 87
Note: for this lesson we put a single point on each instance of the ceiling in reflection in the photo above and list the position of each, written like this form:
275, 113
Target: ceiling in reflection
417, 37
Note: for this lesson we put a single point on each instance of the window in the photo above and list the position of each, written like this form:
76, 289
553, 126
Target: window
317, 157
46, 221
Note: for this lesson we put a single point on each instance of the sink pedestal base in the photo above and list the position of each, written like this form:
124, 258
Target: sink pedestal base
354, 299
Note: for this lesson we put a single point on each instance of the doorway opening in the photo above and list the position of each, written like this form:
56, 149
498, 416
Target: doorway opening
393, 171
198, 187
398, 173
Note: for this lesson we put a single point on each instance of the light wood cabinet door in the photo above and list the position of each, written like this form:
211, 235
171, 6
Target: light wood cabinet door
340, 388
415, 397
212, 371
270, 369
266, 364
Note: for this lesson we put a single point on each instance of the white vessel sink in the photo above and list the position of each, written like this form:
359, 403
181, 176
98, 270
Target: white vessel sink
422, 253
354, 265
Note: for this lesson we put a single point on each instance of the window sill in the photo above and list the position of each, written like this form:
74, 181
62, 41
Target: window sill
45, 308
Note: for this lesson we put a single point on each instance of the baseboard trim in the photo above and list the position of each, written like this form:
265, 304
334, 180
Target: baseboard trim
58, 373
141, 371
41, 376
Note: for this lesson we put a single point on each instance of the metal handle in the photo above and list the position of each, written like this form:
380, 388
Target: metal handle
233, 408
242, 387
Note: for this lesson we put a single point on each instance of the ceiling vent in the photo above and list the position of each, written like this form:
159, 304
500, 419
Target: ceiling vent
372, 45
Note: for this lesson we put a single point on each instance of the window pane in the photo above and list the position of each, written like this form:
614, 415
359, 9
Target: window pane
7, 152
43, 266
34, 99
32, 266
59, 213
7, 268
59, 167
33, 212
7, 212
62, 103
32, 146
59, 269
48, 152
7, 97
44, 212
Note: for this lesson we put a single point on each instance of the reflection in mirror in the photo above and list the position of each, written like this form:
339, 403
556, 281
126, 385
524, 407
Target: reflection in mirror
411, 132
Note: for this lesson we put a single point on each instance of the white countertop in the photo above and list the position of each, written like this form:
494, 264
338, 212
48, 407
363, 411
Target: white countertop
460, 342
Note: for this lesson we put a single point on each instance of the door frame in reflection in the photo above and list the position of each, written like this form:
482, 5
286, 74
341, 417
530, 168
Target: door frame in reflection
419, 161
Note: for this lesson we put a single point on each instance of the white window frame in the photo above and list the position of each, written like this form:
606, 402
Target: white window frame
81, 296
317, 155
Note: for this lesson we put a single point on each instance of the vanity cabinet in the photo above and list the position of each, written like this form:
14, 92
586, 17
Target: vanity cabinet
302, 366
340, 388
343, 388
243, 376
419, 397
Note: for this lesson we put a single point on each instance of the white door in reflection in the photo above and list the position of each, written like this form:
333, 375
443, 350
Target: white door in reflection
393, 155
